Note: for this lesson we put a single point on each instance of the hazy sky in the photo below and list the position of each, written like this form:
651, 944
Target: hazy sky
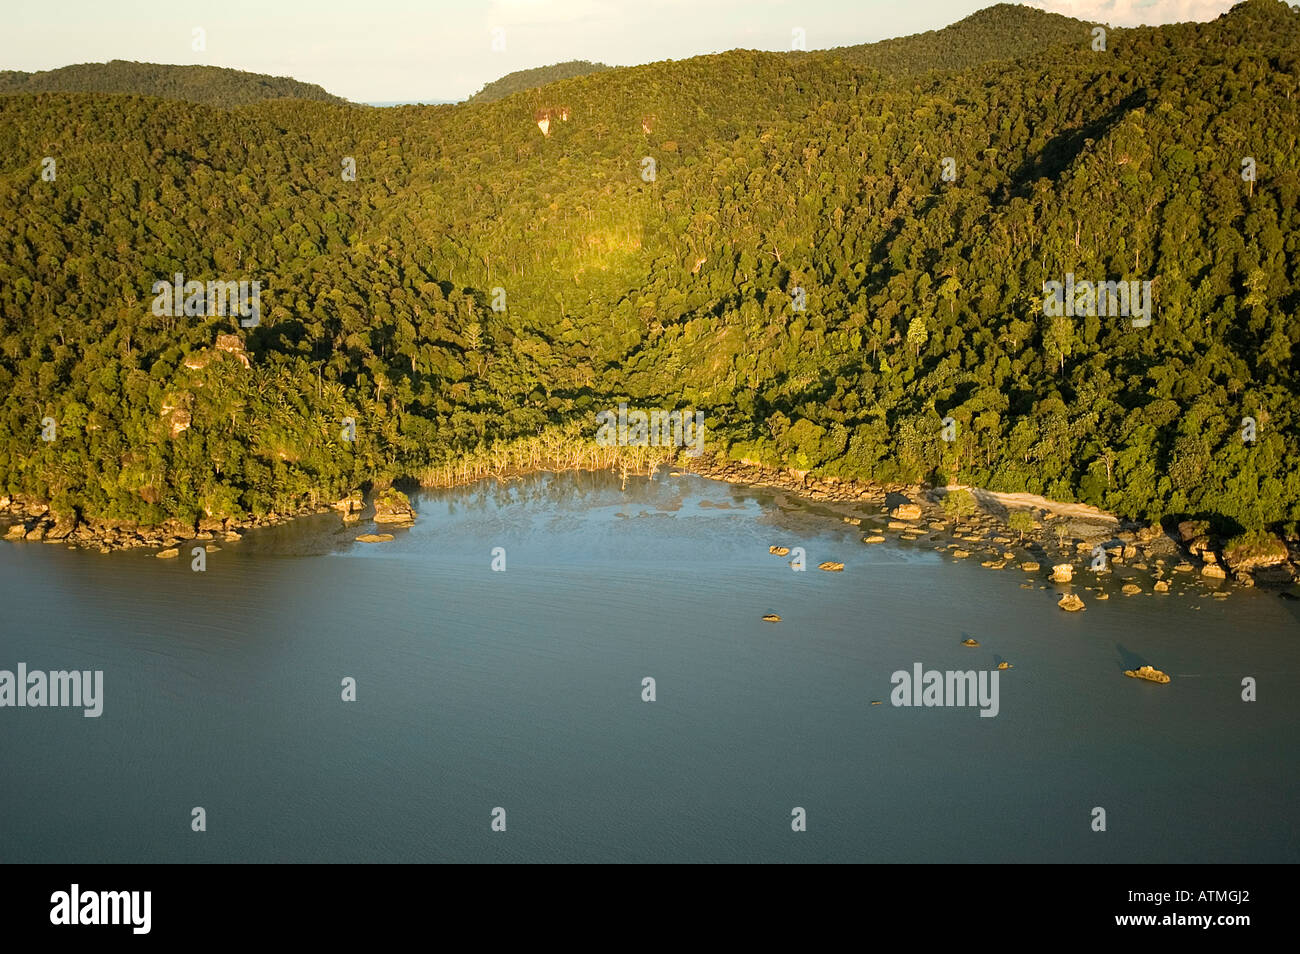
374, 50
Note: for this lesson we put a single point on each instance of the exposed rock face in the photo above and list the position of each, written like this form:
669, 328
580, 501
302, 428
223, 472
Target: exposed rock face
908, 511
1071, 603
1148, 673
1062, 573
392, 506
352, 503
61, 530
1264, 553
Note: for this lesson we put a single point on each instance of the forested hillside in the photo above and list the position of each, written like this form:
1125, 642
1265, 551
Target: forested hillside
778, 179
212, 85
521, 80
1002, 32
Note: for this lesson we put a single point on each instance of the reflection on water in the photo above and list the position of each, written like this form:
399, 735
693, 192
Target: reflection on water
522, 689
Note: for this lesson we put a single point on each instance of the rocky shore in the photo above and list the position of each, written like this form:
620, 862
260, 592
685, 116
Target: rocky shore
1070, 546
34, 522
1064, 545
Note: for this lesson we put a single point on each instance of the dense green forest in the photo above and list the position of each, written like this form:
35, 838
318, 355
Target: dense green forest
779, 178
1002, 32
522, 80
211, 85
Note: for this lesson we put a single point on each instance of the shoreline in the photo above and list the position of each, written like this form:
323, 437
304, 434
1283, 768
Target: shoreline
1063, 533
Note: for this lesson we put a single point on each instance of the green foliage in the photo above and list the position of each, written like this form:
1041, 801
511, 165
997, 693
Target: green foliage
774, 172
1022, 522
211, 85
531, 79
958, 504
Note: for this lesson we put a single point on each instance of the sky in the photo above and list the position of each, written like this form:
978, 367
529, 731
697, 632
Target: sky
385, 50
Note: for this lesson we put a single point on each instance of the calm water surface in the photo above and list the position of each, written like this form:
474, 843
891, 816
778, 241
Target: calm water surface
522, 689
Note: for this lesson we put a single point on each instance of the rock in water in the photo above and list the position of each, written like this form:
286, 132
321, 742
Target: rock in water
168, 554
374, 538
392, 506
1070, 603
907, 511
1062, 573
1149, 673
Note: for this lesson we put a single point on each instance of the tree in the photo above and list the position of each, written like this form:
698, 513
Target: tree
957, 504
1021, 521
917, 334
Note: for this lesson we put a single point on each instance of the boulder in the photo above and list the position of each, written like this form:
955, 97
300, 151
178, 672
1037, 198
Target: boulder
1029, 566
392, 506
907, 511
1070, 603
1130, 589
831, 566
374, 538
352, 503
1261, 551
168, 554
1062, 573
1213, 571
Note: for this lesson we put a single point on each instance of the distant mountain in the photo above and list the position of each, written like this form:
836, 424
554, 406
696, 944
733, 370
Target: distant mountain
531, 79
1001, 32
210, 85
